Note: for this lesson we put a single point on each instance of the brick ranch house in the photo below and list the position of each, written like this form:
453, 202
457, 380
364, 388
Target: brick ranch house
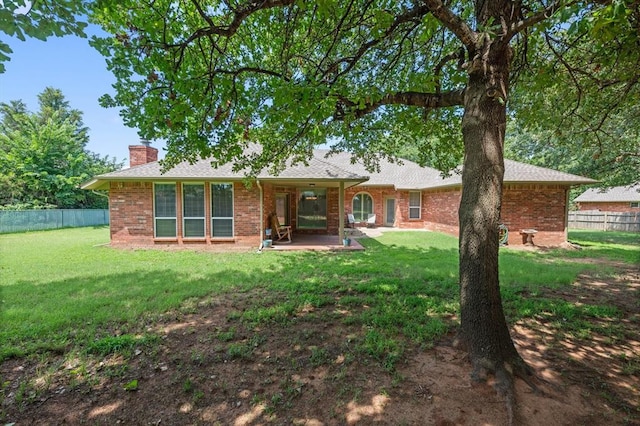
621, 199
201, 205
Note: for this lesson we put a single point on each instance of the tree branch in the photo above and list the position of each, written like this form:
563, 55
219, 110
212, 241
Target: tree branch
452, 21
254, 70
539, 16
459, 55
561, 59
345, 106
409, 16
239, 15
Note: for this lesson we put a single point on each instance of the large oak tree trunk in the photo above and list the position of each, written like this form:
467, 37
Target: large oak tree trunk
483, 328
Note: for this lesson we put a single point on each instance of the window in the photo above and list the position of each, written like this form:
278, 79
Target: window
193, 210
221, 210
312, 208
414, 204
634, 204
362, 205
164, 207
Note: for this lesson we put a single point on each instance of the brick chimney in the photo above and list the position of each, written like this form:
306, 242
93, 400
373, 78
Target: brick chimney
142, 154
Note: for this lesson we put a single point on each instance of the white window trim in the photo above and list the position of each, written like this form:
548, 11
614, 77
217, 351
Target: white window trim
203, 217
233, 209
419, 206
373, 205
155, 218
634, 204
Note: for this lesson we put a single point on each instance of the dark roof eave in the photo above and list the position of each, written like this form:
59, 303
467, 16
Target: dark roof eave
304, 179
103, 183
507, 182
584, 181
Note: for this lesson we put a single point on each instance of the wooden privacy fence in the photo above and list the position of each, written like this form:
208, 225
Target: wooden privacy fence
605, 221
35, 220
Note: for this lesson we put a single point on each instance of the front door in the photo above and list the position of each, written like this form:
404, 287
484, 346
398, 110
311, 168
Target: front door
282, 208
389, 211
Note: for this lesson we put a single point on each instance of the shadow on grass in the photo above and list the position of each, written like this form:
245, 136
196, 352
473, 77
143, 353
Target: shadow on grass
405, 288
62, 314
374, 307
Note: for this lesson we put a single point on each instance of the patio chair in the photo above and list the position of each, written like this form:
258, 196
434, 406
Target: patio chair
280, 232
351, 221
371, 221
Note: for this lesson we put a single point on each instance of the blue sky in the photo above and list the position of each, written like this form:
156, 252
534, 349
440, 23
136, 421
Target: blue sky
71, 65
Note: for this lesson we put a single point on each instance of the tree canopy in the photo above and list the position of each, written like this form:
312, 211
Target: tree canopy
43, 159
40, 19
577, 107
217, 77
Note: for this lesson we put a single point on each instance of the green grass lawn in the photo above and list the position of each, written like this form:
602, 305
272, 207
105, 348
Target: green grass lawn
65, 290
622, 246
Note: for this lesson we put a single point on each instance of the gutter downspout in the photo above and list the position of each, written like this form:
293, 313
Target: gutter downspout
100, 194
567, 192
261, 214
341, 210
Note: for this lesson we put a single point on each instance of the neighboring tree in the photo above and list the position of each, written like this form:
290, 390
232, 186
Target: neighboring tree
213, 77
610, 159
587, 85
39, 19
43, 159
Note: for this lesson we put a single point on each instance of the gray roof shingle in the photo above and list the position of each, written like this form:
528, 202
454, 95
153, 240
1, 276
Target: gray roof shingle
615, 194
406, 175
316, 169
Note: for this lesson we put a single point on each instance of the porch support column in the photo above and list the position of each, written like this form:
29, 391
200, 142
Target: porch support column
262, 234
567, 190
341, 210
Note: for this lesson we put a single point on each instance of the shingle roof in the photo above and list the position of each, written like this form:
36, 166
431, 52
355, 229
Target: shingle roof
521, 172
410, 175
404, 175
615, 194
516, 172
338, 167
317, 169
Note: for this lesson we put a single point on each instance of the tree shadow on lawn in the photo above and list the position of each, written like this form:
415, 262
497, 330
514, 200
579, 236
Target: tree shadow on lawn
589, 334
332, 338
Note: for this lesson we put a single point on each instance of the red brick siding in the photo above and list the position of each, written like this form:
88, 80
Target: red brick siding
246, 210
440, 209
541, 207
269, 196
131, 212
141, 154
333, 215
618, 207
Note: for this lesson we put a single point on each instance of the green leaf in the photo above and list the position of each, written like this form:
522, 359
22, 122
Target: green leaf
131, 386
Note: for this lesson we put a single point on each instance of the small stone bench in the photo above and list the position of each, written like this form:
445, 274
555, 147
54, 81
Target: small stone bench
527, 236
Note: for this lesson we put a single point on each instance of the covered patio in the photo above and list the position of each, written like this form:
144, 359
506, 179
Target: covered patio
311, 242
309, 201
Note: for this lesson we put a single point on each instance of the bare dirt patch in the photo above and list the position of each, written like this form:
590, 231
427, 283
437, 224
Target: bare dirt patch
209, 367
